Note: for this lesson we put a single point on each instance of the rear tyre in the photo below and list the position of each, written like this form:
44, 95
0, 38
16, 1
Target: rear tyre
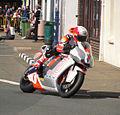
67, 90
26, 85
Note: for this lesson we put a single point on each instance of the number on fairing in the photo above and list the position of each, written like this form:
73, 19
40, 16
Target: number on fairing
33, 77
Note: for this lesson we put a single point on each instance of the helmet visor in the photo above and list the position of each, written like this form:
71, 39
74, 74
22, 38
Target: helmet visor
80, 38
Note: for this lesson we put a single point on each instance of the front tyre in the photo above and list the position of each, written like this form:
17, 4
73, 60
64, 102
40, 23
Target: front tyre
26, 85
67, 90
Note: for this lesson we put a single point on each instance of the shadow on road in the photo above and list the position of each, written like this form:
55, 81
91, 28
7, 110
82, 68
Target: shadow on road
85, 94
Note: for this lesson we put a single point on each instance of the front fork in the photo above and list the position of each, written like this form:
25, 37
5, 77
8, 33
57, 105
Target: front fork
73, 71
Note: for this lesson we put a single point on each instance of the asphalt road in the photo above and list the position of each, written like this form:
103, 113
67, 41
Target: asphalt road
14, 102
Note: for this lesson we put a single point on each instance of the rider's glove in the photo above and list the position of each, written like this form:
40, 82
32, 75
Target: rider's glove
67, 46
50, 52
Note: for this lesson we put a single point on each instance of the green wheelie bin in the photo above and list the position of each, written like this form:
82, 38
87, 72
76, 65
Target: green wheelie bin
25, 27
49, 33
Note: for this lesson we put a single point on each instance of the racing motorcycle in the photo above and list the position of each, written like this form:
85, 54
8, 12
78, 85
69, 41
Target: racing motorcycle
62, 73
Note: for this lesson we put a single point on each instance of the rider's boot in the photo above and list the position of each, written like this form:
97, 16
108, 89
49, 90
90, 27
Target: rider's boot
40, 61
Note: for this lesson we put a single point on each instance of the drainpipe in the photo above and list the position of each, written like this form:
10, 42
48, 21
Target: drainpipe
45, 10
61, 19
44, 7
101, 54
56, 23
52, 10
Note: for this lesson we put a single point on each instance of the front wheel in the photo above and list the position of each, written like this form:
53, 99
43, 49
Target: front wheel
67, 90
26, 85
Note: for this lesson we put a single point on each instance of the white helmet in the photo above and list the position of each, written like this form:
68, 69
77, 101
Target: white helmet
80, 33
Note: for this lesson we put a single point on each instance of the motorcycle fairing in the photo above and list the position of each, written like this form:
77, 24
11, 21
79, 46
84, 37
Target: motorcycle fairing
34, 78
64, 64
51, 63
37, 82
73, 72
79, 69
71, 75
78, 53
51, 78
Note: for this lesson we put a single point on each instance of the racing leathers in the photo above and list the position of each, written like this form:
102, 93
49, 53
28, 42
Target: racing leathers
63, 46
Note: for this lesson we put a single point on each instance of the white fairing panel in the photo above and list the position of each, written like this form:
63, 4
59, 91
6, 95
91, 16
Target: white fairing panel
33, 77
52, 76
91, 61
79, 54
62, 66
71, 75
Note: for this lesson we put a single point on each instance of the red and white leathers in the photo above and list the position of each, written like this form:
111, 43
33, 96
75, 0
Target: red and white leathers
67, 39
59, 48
40, 61
79, 33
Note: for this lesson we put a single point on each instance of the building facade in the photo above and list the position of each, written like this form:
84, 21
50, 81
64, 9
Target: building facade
31, 3
100, 17
110, 32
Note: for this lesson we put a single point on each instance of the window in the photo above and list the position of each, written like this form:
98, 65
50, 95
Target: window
89, 16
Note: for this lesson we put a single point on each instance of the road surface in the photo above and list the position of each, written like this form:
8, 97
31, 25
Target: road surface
14, 102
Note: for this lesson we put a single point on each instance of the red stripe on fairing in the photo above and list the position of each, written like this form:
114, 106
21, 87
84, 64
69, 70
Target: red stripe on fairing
53, 61
59, 67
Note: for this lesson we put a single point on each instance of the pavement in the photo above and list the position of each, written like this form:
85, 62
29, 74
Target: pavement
102, 77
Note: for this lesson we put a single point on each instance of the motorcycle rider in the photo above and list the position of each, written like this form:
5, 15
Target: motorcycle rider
79, 33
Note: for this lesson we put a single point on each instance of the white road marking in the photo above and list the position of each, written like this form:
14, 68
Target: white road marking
22, 48
9, 82
26, 58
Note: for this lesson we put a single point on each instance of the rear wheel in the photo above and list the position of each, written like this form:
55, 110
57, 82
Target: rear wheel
26, 85
67, 90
